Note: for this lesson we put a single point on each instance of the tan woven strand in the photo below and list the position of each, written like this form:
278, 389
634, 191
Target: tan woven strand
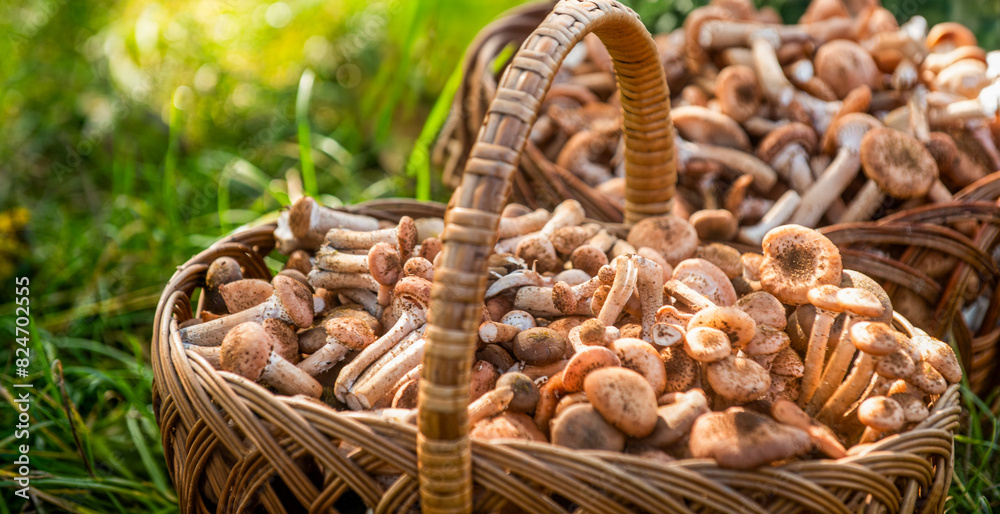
443, 450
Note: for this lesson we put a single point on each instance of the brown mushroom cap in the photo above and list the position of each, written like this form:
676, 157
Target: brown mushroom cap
848, 130
415, 290
300, 216
246, 350
856, 279
874, 338
738, 326
286, 341
845, 65
384, 264
672, 236
797, 259
881, 413
738, 92
860, 302
589, 258
764, 308
703, 125
295, 298
640, 356
951, 34
676, 418
682, 371
896, 365
790, 133
585, 361
355, 311
354, 333
939, 355
824, 297
741, 439
509, 425
222, 271
928, 379
581, 427
738, 379
898, 163
540, 346
714, 224
537, 250
624, 398
767, 341
243, 294
914, 410
707, 279
725, 257
788, 363
525, 391
707, 344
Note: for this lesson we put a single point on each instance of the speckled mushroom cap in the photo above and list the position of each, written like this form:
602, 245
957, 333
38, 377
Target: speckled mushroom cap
737, 325
764, 308
738, 379
914, 410
384, 263
797, 259
939, 355
286, 341
927, 379
714, 224
525, 391
874, 338
788, 363
858, 100
415, 290
355, 311
353, 333
707, 344
791, 133
722, 255
896, 365
672, 236
824, 297
585, 361
539, 346
222, 271
406, 236
624, 398
300, 216
581, 427
295, 298
509, 425
844, 65
243, 294
881, 413
767, 341
589, 258
856, 279
898, 163
682, 371
740, 439
246, 350
707, 279
859, 302
738, 92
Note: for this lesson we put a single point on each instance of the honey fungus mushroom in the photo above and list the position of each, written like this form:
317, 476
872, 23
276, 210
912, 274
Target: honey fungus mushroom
797, 259
741, 439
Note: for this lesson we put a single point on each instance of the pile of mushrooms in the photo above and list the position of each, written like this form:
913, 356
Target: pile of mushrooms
653, 344
845, 116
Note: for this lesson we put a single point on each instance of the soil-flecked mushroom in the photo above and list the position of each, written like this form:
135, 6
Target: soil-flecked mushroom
410, 300
525, 391
673, 237
872, 339
741, 439
881, 416
286, 341
223, 270
403, 236
299, 260
241, 295
676, 418
582, 427
496, 332
707, 279
509, 425
764, 308
723, 256
914, 410
797, 259
683, 372
419, 267
687, 296
692, 153
926, 378
939, 355
649, 288
539, 346
385, 266
589, 258
332, 259
343, 335
310, 221
714, 224
897, 165
640, 356
738, 379
567, 298
247, 350
523, 224
788, 413
377, 381
489, 404
567, 239
332, 280
291, 302
787, 150
538, 301
707, 344
738, 93
844, 135
766, 344
537, 248
784, 208
624, 398
626, 276
738, 326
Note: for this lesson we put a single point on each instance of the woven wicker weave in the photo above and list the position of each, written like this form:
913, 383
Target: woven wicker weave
232, 446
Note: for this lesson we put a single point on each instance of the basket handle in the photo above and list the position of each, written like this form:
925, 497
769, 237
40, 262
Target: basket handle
444, 453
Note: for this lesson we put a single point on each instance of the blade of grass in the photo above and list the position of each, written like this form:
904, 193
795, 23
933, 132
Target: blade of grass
61, 382
419, 164
144, 454
302, 121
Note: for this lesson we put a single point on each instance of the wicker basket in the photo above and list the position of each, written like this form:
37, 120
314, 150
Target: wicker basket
231, 445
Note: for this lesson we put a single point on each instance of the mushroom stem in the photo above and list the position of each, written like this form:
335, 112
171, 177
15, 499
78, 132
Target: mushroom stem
792, 164
514, 279
403, 237
772, 78
409, 321
849, 391
309, 220
370, 389
687, 296
524, 224
626, 275
828, 187
719, 34
538, 302
649, 281
815, 352
763, 176
289, 379
777, 215
363, 297
864, 204
490, 404
332, 280
331, 259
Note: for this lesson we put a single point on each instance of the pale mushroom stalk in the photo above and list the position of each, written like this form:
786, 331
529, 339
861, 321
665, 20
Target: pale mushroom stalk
687, 296
247, 350
788, 413
742, 162
369, 390
626, 275
567, 298
309, 220
649, 283
490, 404
343, 335
497, 332
821, 113
331, 259
778, 214
363, 297
719, 34
332, 280
792, 164
514, 279
538, 302
523, 224
870, 338
824, 300
776, 86
403, 236
291, 302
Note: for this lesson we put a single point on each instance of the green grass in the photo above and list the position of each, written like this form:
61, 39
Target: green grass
136, 134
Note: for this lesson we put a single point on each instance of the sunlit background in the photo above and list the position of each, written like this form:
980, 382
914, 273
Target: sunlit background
134, 134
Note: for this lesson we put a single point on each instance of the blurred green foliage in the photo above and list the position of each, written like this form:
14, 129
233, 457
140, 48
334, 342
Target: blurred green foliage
136, 133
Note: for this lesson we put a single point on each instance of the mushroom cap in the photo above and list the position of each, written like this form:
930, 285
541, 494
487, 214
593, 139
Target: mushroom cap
824, 297
509, 425
950, 33
714, 224
640, 356
797, 259
384, 264
286, 341
539, 346
589, 258
581, 427
537, 249
413, 290
585, 361
354, 333
624, 398
939, 355
724, 256
682, 371
738, 92
860, 302
856, 279
707, 344
788, 363
676, 418
765, 309
767, 341
223, 270
355, 311
740, 439
482, 379
858, 100
751, 262
666, 334
881, 413
790, 133
848, 131
295, 298
896, 365
419, 267
243, 294
518, 318
845, 65
738, 326
898, 163
874, 338
927, 379
525, 391
703, 125
300, 216
406, 235
738, 379
707, 279
567, 239
246, 350
914, 410
672, 236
